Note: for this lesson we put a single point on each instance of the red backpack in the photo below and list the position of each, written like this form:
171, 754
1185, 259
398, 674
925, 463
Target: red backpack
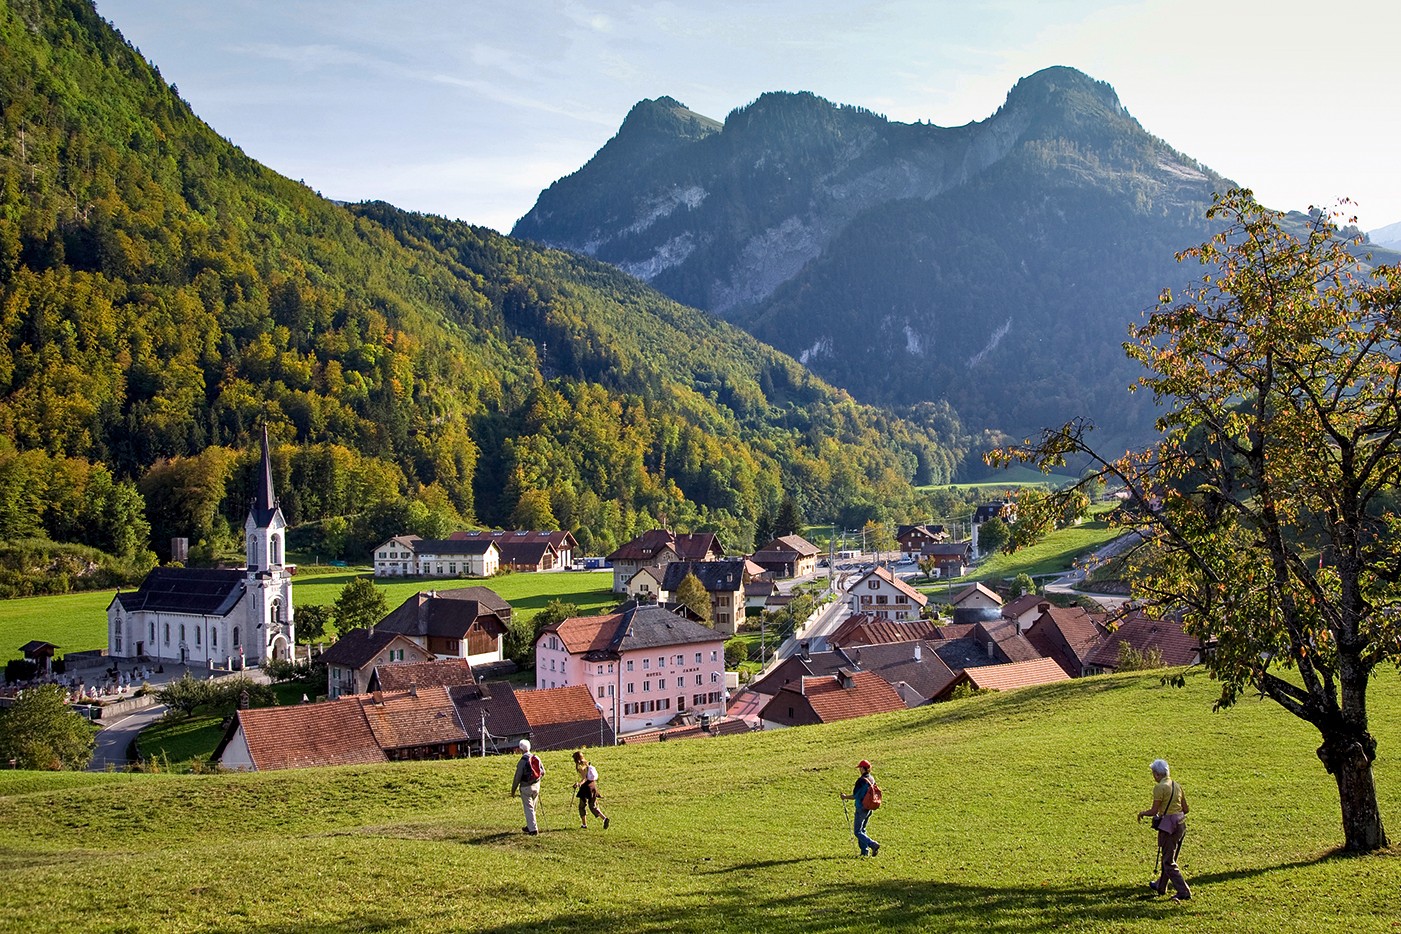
537, 771
871, 800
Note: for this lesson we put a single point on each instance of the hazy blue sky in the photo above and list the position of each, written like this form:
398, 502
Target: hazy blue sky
469, 109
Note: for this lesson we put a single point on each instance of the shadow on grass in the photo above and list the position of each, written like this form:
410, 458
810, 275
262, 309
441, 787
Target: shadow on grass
735, 898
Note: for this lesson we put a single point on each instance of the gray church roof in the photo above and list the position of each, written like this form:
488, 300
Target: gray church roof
198, 591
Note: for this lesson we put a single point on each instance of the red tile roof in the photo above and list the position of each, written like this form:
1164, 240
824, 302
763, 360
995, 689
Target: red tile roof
330, 733
446, 672
730, 726
863, 629
404, 719
562, 718
869, 693
588, 633
1067, 634
1016, 675
1145, 635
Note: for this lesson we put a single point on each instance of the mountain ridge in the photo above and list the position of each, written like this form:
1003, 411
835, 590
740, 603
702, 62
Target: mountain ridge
760, 212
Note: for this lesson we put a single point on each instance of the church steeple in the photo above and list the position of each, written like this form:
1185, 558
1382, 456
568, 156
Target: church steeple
264, 500
265, 527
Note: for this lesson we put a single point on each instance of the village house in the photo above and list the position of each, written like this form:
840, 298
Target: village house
828, 698
565, 718
658, 548
351, 661
977, 596
864, 629
417, 722
446, 557
914, 538
1013, 675
644, 664
1024, 610
396, 558
215, 617
912, 668
1067, 634
1146, 636
646, 586
465, 622
788, 556
949, 559
723, 582
527, 549
878, 592
434, 672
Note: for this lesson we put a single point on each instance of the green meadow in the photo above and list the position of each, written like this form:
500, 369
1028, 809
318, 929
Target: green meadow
76, 622
1005, 813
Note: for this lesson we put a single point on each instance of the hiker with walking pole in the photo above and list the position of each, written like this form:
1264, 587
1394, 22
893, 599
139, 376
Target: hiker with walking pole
529, 772
866, 794
1169, 814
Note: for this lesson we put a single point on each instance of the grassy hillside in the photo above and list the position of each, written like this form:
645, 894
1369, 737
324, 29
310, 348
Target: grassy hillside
1004, 813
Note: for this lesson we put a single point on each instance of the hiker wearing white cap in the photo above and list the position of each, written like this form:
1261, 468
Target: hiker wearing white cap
529, 771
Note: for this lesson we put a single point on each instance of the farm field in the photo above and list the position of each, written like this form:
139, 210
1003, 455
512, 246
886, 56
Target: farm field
1004, 813
75, 622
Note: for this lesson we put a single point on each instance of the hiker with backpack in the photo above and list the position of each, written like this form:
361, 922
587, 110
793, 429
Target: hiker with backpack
1169, 814
529, 772
586, 790
867, 795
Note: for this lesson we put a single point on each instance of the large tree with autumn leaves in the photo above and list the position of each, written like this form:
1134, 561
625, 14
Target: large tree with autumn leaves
1268, 506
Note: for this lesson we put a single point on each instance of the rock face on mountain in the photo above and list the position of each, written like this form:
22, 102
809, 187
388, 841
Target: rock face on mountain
996, 265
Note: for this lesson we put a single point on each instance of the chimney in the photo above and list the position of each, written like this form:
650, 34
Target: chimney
1043, 607
413, 688
378, 698
804, 646
919, 651
844, 678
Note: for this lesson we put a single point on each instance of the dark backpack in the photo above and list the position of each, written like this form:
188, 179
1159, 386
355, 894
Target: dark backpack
871, 800
534, 768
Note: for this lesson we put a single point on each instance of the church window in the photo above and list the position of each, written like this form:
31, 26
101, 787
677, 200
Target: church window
276, 549
153, 633
235, 637
167, 634
196, 635
119, 640
182, 632
214, 638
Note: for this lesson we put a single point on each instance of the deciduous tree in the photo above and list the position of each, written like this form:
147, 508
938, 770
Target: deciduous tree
361, 604
691, 593
1267, 505
41, 732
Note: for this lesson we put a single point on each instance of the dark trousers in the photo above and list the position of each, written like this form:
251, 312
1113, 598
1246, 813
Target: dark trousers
1169, 844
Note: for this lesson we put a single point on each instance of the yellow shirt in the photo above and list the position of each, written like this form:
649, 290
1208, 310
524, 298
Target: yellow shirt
1164, 800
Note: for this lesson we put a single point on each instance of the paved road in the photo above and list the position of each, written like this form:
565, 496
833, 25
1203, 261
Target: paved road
114, 739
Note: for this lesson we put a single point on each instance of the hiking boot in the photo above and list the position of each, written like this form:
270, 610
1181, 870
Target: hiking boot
1153, 887
605, 823
875, 849
1182, 898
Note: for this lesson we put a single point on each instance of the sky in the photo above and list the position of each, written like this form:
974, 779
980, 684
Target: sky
470, 108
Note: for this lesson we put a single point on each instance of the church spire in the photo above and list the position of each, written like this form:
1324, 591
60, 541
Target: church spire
264, 500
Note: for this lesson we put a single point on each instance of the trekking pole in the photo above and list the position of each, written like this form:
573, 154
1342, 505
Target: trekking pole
850, 826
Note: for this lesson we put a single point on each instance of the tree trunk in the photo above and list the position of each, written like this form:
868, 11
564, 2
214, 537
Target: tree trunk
1349, 758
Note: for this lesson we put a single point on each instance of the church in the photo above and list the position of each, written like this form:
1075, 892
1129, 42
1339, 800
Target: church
215, 617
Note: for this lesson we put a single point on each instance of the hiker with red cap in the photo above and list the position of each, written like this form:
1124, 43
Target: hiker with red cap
866, 794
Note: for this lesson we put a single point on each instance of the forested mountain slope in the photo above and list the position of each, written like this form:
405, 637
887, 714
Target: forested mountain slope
996, 265
162, 295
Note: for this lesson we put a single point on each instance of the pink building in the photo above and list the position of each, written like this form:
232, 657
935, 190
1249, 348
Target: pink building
644, 665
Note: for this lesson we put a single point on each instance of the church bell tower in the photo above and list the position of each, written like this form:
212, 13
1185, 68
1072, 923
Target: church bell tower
269, 582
